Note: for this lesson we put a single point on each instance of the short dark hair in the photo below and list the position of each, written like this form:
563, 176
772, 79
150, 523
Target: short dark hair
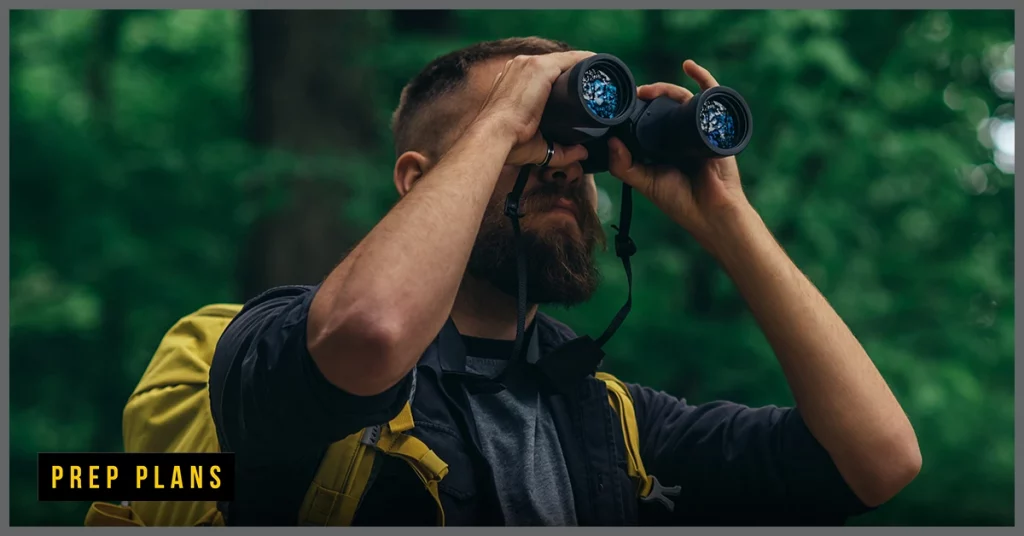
419, 123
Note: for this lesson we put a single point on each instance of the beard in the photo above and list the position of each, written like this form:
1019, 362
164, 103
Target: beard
560, 267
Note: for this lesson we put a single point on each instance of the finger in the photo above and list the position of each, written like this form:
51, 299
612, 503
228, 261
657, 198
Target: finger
658, 89
621, 166
699, 75
565, 155
536, 150
565, 60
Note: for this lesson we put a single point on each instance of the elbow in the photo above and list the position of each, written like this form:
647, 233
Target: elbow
893, 469
359, 353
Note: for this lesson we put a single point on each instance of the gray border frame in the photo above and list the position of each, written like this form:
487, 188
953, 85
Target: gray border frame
5, 504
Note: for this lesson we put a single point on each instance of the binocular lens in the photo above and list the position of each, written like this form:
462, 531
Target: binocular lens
597, 98
601, 93
720, 122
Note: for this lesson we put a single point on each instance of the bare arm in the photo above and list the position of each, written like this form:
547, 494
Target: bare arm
842, 397
380, 308
391, 294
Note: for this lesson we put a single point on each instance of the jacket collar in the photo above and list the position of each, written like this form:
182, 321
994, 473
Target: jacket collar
447, 354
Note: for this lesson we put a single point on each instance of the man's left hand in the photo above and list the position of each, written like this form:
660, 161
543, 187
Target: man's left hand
703, 201
843, 399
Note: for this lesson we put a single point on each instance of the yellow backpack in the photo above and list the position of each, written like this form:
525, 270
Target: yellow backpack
169, 411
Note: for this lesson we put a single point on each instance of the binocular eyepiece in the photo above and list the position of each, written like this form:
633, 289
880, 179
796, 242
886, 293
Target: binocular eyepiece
596, 99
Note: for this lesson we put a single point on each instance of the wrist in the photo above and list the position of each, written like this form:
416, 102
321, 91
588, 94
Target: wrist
493, 131
736, 234
481, 147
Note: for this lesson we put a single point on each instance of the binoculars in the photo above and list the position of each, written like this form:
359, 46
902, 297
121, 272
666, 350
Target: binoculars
596, 99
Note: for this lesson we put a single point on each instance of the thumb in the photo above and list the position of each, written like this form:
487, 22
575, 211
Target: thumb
621, 166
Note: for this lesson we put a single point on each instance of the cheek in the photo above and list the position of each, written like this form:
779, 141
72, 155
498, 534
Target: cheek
592, 194
507, 180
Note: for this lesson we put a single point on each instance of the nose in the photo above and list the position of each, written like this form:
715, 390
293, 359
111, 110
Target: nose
568, 175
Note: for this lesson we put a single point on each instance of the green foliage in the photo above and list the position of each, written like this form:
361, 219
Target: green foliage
131, 181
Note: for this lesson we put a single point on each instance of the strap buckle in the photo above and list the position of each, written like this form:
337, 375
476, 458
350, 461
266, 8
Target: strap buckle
512, 206
660, 494
371, 436
624, 245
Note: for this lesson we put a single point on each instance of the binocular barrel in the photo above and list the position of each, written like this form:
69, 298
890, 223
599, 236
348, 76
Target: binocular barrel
596, 99
587, 100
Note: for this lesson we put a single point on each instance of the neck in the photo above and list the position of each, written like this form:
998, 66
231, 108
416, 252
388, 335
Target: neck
480, 310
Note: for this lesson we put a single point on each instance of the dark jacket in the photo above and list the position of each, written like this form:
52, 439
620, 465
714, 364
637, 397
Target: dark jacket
736, 465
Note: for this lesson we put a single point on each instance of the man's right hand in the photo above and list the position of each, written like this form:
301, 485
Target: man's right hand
377, 312
516, 102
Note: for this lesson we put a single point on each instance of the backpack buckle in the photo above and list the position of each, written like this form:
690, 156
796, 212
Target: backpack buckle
371, 435
660, 494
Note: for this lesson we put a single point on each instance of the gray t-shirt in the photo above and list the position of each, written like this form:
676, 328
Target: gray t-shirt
519, 440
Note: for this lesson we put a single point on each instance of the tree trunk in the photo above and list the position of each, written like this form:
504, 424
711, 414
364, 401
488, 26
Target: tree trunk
309, 96
663, 64
113, 338
107, 35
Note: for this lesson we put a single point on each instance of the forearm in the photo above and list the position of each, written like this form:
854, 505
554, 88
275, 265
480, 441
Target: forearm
842, 397
378, 310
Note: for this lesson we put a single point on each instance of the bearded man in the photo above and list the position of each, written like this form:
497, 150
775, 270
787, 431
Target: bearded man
423, 311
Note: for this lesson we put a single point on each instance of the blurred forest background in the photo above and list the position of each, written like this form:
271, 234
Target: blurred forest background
163, 160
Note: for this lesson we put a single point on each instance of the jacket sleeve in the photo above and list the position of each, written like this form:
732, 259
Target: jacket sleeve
738, 465
266, 391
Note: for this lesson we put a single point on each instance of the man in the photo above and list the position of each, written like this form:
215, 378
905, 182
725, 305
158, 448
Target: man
424, 309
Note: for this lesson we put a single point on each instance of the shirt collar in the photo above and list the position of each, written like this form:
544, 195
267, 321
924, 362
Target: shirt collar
560, 353
450, 351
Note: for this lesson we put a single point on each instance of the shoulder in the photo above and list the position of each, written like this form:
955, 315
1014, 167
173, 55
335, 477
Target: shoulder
273, 322
661, 408
278, 296
278, 307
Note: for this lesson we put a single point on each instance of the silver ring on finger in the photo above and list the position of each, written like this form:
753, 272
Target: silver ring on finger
547, 157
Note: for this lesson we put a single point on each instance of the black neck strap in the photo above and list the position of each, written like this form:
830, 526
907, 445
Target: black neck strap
513, 213
624, 249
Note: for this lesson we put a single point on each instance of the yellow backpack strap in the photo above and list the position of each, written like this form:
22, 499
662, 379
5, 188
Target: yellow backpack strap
340, 482
647, 486
346, 469
425, 463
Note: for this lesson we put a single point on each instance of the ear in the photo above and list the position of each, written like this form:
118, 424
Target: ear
409, 168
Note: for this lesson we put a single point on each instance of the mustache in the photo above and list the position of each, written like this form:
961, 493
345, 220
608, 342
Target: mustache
546, 196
